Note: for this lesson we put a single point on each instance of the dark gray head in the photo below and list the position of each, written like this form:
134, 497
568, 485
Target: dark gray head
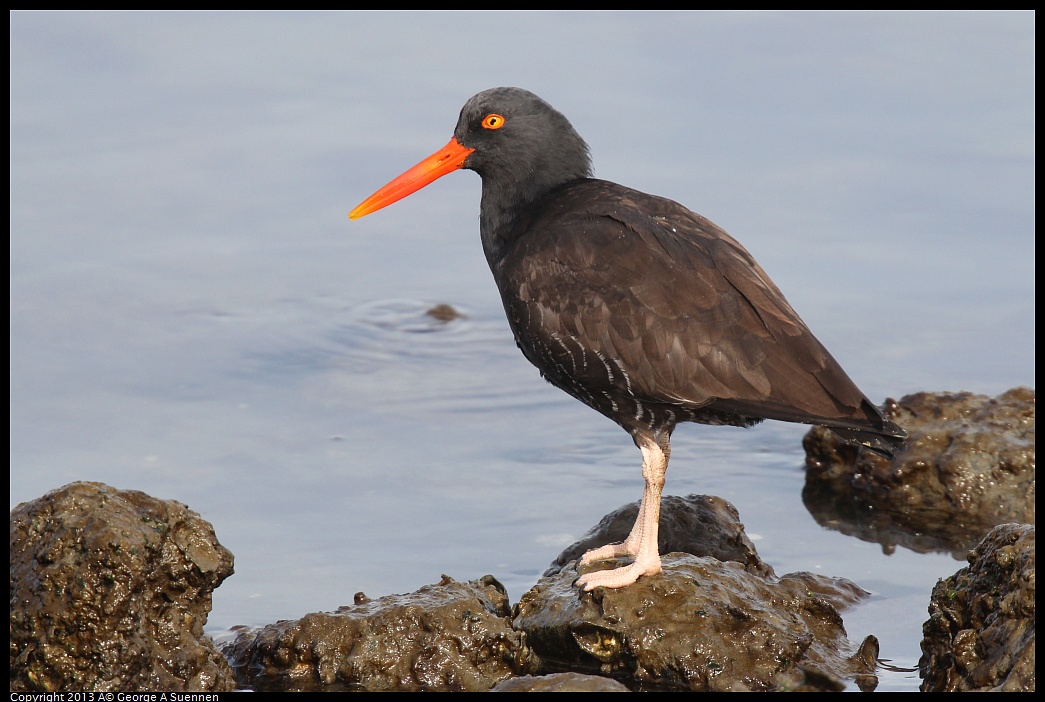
523, 148
520, 145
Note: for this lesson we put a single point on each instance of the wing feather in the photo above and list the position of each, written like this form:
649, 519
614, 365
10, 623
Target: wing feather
615, 293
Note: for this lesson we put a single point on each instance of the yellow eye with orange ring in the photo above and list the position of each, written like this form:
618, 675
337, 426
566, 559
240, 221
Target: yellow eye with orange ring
493, 121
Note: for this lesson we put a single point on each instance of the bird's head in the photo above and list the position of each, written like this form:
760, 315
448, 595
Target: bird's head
519, 144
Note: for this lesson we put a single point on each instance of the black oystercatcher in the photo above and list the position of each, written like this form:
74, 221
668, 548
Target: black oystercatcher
634, 305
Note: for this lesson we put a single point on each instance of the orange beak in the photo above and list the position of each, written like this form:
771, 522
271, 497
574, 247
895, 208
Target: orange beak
445, 160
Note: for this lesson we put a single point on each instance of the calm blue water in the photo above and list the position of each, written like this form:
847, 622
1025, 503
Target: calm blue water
193, 315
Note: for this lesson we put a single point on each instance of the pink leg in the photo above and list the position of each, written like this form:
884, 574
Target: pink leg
642, 541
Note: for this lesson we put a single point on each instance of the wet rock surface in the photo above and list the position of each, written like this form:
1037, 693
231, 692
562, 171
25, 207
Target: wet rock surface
703, 525
968, 466
446, 637
980, 632
110, 590
701, 624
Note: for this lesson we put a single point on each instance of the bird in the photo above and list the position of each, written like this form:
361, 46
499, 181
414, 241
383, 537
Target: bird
643, 310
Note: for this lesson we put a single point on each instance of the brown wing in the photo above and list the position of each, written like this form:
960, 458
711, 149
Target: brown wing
621, 297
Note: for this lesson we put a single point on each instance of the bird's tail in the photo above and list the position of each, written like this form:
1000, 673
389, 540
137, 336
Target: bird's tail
885, 441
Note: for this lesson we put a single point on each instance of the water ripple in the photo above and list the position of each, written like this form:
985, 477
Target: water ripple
405, 358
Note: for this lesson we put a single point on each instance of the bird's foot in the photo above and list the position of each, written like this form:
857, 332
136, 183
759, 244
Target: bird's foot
607, 551
619, 577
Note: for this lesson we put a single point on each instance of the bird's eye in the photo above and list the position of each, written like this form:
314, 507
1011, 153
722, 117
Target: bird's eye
493, 121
